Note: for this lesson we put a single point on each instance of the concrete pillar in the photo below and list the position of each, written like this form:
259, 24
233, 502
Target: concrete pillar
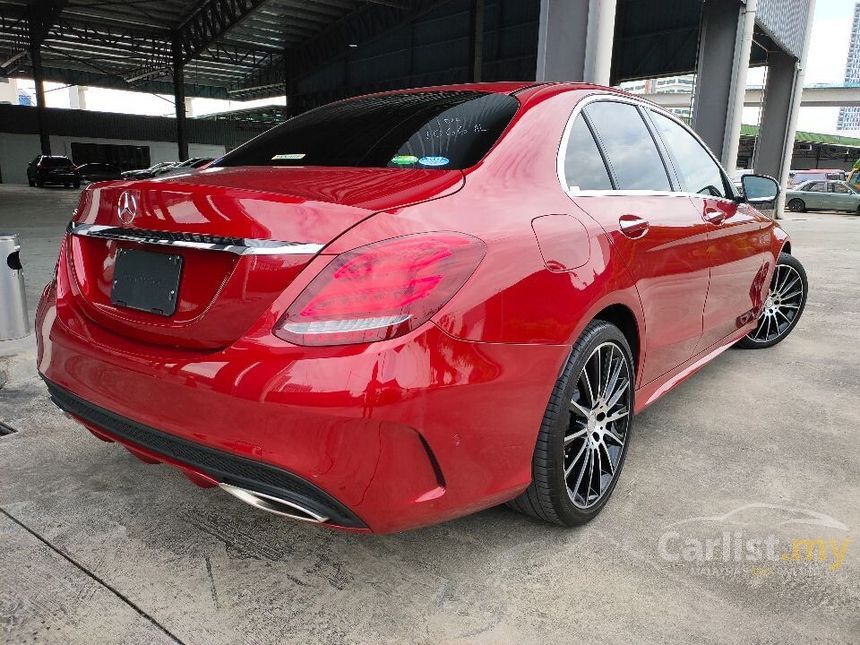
772, 147
783, 94
575, 40
179, 99
725, 42
476, 40
38, 80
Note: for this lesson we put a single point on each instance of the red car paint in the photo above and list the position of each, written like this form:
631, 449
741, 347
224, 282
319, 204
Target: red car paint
442, 420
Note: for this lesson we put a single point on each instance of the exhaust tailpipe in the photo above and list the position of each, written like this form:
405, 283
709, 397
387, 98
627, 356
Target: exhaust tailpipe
274, 505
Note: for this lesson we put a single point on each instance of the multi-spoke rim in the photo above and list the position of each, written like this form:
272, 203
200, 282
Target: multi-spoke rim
599, 420
781, 306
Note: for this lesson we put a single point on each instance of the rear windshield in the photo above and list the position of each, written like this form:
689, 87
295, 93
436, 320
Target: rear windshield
55, 162
428, 130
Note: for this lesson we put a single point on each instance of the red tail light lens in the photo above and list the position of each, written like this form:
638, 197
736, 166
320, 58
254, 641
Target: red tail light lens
381, 290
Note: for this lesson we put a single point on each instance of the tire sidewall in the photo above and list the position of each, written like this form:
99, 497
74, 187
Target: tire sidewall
784, 259
594, 336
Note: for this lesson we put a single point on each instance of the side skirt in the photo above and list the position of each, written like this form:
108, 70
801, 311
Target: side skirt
649, 393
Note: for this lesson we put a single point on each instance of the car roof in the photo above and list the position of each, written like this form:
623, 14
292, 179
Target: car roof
821, 181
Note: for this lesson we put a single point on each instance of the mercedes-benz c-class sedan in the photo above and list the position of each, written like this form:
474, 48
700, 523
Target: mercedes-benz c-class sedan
402, 308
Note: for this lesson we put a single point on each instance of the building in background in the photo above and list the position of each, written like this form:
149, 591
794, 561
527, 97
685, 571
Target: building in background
849, 117
666, 85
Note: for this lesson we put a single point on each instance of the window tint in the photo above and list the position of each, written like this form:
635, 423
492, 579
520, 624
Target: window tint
840, 188
628, 145
816, 187
583, 165
427, 130
697, 171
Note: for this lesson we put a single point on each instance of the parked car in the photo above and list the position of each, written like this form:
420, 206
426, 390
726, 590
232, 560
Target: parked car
52, 169
186, 166
823, 195
148, 173
97, 171
403, 308
797, 177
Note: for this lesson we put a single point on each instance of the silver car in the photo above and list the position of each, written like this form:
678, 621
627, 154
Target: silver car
823, 196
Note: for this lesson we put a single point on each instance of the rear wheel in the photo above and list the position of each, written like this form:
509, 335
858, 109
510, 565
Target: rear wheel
586, 428
797, 206
32, 183
40, 184
782, 307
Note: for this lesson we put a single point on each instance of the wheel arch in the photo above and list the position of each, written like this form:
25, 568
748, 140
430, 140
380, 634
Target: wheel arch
623, 317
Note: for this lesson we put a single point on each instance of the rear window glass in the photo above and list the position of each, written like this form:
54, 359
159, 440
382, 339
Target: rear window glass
427, 130
55, 162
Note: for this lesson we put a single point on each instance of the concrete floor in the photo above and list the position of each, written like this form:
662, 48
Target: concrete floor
97, 546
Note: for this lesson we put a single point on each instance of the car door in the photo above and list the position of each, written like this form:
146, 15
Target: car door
815, 195
844, 198
738, 252
614, 172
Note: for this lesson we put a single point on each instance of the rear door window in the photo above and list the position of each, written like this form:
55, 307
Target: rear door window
428, 130
584, 168
697, 170
629, 147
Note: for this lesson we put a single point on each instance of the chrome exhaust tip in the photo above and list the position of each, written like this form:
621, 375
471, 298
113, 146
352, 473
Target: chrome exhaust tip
275, 505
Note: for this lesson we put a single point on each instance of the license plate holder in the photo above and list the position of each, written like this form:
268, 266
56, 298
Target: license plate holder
146, 281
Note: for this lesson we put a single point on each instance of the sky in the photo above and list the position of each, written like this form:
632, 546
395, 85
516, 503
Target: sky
828, 51
831, 32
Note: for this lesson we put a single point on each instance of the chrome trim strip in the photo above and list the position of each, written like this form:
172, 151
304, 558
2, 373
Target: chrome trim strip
237, 246
272, 504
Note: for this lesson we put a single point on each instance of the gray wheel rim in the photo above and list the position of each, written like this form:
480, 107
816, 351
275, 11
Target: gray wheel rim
599, 420
783, 303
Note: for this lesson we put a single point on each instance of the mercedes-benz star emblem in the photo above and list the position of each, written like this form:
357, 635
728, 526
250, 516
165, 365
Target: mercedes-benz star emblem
126, 208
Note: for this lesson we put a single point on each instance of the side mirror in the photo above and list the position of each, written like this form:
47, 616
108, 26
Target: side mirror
759, 189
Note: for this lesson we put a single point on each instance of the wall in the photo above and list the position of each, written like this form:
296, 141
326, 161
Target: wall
17, 150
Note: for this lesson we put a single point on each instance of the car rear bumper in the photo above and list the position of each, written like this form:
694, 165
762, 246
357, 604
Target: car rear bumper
384, 438
57, 178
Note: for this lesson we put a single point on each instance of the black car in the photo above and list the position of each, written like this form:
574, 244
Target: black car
99, 172
45, 169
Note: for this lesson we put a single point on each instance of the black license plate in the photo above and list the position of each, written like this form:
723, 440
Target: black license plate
146, 281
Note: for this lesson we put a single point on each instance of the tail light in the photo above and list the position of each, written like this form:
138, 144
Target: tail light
382, 290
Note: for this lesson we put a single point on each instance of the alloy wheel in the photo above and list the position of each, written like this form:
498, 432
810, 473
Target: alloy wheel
599, 419
784, 301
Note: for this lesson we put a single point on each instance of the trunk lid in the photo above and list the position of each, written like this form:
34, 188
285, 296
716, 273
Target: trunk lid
243, 234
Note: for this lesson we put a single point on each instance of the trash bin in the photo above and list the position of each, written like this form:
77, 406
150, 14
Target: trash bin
13, 301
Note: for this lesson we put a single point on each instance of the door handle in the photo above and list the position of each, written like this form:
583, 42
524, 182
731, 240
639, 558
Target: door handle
714, 216
633, 226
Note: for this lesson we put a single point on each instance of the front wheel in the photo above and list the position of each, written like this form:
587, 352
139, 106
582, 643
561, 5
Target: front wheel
782, 307
586, 428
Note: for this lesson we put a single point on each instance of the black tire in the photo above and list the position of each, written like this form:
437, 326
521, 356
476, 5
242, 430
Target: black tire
549, 496
758, 339
77, 184
32, 183
797, 205
66, 185
40, 184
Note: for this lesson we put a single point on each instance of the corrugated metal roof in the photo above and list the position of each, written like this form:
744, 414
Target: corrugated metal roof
809, 137
118, 43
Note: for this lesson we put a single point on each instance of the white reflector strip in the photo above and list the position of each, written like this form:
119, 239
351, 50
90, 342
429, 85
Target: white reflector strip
338, 326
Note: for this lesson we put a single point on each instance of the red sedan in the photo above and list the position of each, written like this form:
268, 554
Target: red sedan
402, 308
